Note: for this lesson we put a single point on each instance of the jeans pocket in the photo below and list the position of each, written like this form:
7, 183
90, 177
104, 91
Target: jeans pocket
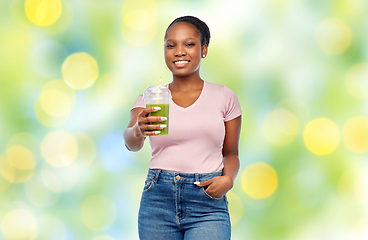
209, 196
148, 184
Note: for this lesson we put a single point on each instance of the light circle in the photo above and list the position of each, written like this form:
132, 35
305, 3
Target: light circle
259, 180
43, 12
355, 134
55, 103
59, 148
18, 164
333, 36
80, 70
19, 224
20, 157
139, 25
321, 136
280, 127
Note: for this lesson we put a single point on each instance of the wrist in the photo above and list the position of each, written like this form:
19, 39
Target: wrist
137, 133
230, 180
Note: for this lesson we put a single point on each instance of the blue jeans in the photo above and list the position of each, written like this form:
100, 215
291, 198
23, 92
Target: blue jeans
173, 207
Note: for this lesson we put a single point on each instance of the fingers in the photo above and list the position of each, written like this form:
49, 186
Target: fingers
144, 126
212, 191
217, 186
144, 118
148, 110
152, 119
203, 183
153, 129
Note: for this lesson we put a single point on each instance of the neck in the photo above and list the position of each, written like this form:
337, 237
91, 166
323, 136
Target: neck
186, 83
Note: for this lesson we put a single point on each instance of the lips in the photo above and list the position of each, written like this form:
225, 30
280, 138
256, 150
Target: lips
181, 63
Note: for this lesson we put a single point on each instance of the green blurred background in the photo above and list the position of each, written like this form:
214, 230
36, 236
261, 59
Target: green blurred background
71, 70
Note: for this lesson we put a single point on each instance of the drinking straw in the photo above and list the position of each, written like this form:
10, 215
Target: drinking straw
159, 88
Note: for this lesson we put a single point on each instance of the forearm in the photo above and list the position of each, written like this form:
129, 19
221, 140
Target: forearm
231, 166
133, 140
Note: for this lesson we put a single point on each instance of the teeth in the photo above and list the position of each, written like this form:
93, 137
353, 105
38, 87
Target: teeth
180, 62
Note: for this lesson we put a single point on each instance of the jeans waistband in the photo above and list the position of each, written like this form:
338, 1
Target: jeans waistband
157, 174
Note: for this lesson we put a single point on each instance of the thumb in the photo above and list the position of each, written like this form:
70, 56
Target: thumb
204, 183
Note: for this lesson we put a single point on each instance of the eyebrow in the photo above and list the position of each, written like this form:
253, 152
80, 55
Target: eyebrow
184, 39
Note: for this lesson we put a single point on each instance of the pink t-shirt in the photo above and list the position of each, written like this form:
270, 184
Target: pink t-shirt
196, 133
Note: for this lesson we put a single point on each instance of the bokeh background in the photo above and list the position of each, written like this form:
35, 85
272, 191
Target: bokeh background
71, 70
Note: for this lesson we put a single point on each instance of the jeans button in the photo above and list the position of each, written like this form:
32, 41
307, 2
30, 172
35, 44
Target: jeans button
177, 177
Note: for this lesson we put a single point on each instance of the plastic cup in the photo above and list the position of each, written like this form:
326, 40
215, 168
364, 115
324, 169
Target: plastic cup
156, 96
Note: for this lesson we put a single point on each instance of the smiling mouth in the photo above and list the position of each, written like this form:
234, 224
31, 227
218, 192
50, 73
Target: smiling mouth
181, 63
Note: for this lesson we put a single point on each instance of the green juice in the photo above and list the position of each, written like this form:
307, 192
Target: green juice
164, 112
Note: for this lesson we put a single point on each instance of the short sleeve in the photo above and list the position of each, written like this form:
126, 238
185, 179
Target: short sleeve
139, 103
232, 105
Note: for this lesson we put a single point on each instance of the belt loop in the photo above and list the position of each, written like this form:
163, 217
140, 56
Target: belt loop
157, 175
196, 177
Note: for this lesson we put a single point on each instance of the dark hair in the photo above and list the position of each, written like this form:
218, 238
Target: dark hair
202, 28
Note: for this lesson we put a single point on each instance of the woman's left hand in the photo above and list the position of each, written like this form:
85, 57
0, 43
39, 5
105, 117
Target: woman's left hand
217, 186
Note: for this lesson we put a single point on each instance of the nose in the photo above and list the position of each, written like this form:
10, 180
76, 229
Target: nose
180, 51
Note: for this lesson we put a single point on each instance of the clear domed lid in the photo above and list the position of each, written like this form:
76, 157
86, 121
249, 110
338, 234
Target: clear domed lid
157, 92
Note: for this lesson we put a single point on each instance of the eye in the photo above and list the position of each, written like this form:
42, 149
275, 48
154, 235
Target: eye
190, 44
169, 46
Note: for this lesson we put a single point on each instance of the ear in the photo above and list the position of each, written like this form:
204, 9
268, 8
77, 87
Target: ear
204, 50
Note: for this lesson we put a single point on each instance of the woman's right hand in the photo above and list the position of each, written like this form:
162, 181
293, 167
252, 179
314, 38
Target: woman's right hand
143, 126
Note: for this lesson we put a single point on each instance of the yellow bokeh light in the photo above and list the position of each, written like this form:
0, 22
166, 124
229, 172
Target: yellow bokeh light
235, 207
43, 12
19, 224
62, 87
356, 80
134, 21
80, 70
280, 127
18, 164
333, 36
259, 180
321, 136
59, 149
20, 157
45, 118
27, 140
98, 212
86, 150
59, 180
355, 134
351, 9
63, 22
103, 237
55, 103
138, 25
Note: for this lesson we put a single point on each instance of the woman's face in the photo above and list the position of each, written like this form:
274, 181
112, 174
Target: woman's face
183, 50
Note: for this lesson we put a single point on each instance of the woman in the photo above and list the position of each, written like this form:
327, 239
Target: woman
195, 165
